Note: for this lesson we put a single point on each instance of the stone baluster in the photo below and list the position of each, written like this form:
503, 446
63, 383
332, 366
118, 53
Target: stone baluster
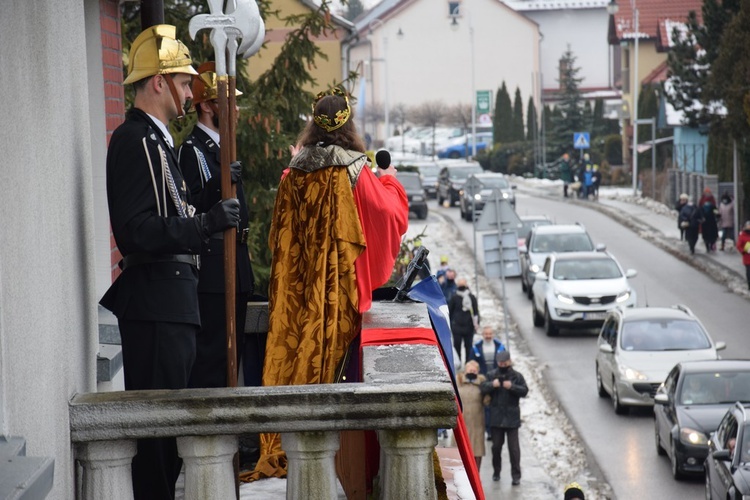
106, 469
311, 472
406, 469
209, 466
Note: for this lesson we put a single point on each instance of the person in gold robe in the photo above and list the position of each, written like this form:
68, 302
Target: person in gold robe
335, 235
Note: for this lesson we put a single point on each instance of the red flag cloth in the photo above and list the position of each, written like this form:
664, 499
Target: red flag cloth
390, 336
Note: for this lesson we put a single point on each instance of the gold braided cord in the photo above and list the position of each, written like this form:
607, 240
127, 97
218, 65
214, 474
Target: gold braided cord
324, 121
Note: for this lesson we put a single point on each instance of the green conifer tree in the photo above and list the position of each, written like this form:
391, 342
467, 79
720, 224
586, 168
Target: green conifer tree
502, 121
517, 121
532, 130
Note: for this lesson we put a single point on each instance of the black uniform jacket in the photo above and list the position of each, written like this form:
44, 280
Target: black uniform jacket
504, 408
205, 193
146, 223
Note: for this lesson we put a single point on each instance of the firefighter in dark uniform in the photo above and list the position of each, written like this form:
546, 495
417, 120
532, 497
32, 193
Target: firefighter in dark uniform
158, 234
200, 162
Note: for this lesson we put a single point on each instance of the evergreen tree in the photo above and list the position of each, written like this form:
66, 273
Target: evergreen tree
502, 121
353, 9
569, 118
517, 121
532, 130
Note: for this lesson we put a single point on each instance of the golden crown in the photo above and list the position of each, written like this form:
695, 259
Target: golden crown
324, 121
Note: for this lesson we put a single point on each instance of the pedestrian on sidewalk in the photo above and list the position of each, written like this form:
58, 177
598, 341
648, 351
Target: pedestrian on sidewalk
597, 176
505, 387
691, 218
681, 202
743, 245
709, 227
484, 353
469, 383
464, 315
566, 173
726, 213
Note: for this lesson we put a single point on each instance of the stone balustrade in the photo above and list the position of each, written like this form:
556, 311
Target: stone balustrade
406, 395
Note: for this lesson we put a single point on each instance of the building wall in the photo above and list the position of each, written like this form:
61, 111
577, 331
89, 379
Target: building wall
325, 71
585, 31
432, 62
48, 327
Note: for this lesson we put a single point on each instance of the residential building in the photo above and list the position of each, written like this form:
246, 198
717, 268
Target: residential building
416, 51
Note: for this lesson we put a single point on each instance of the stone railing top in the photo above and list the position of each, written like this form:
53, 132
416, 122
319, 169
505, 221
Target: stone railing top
405, 387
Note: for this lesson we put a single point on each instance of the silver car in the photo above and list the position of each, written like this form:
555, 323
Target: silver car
639, 346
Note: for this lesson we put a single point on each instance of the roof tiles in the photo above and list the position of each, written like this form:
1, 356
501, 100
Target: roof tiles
654, 16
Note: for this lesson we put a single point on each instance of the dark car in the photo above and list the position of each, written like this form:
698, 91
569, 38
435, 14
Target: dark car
728, 462
451, 179
480, 189
428, 172
689, 406
414, 192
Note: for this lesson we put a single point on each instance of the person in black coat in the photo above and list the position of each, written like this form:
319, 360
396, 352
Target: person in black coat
155, 299
691, 218
464, 315
200, 161
505, 387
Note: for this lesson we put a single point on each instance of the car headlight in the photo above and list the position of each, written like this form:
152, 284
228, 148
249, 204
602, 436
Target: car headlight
478, 197
534, 268
505, 196
623, 296
564, 298
692, 436
631, 374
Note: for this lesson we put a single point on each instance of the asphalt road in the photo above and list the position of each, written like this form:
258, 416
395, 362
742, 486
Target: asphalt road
622, 446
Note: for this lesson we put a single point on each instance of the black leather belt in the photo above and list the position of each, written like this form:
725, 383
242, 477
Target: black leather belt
136, 259
241, 236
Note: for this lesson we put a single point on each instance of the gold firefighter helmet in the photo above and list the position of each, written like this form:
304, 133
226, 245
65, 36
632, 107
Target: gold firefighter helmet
205, 87
157, 51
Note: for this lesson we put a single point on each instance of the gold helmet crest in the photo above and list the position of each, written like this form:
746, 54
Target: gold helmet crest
157, 51
204, 86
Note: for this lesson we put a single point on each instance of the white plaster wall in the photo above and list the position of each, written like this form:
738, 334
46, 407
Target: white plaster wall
432, 62
48, 331
585, 30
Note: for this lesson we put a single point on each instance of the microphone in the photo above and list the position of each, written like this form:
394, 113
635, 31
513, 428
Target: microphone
383, 159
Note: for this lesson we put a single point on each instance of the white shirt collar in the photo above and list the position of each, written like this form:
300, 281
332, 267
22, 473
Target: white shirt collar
211, 133
163, 128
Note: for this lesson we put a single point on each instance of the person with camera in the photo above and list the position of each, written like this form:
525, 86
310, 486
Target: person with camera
506, 387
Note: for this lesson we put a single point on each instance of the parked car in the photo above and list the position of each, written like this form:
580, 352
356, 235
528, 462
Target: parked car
420, 140
543, 240
428, 172
689, 406
451, 179
462, 146
577, 289
527, 222
728, 462
414, 192
479, 190
639, 346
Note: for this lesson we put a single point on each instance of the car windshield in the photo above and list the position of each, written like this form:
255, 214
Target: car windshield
464, 172
586, 269
578, 242
429, 170
525, 226
494, 182
663, 335
715, 388
410, 181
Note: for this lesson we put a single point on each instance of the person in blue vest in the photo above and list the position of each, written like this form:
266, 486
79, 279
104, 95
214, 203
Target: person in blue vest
484, 353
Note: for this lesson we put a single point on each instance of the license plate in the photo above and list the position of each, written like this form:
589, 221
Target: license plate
594, 315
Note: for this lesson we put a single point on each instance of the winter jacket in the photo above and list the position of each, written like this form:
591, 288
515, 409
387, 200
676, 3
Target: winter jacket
463, 322
742, 240
473, 410
726, 212
477, 354
504, 409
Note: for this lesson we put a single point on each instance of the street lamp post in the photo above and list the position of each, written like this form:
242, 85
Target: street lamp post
635, 100
377, 23
454, 25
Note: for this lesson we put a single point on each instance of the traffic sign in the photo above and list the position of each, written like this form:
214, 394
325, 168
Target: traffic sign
483, 102
581, 140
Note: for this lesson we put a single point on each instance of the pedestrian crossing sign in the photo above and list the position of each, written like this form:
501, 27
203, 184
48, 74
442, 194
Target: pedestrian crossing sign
581, 140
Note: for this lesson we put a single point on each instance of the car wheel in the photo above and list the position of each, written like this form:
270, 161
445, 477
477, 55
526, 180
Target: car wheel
676, 472
599, 386
529, 291
616, 405
550, 327
440, 200
657, 440
524, 288
537, 318
422, 214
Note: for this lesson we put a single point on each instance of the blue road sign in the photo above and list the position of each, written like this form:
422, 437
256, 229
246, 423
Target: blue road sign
581, 140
